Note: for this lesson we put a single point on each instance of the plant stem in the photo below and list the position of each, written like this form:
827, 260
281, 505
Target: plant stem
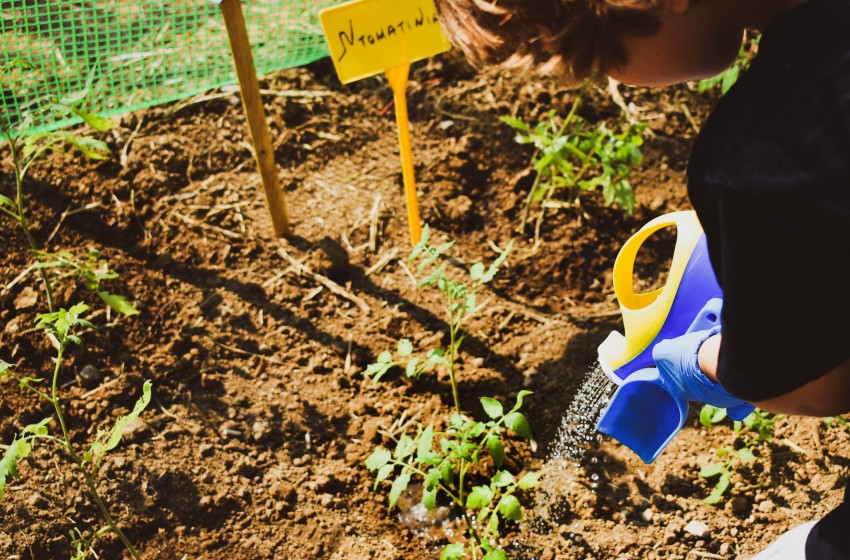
108, 518
54, 399
470, 526
20, 171
454, 327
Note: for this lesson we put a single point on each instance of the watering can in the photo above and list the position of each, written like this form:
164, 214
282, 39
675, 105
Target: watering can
645, 414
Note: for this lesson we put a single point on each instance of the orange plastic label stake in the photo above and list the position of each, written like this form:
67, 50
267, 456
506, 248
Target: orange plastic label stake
367, 37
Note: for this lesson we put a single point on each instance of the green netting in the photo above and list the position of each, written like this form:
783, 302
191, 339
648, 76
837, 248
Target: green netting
129, 54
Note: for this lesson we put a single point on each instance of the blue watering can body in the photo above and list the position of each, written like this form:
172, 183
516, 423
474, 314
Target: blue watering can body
644, 413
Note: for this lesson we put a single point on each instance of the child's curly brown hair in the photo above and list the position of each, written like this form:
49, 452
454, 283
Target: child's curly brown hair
581, 38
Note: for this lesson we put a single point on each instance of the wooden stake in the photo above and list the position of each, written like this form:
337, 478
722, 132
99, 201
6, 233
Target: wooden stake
398, 82
252, 103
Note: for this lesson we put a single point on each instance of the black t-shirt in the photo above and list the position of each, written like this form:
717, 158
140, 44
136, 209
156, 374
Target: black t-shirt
769, 178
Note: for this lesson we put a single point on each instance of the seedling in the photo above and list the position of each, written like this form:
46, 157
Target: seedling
458, 458
830, 421
573, 157
728, 77
63, 328
26, 149
755, 430
448, 470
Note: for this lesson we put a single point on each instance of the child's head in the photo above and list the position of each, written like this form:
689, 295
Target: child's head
579, 36
650, 42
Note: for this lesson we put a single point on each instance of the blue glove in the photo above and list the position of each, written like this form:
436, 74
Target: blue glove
678, 366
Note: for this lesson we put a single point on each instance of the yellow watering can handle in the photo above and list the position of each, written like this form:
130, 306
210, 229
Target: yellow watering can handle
644, 314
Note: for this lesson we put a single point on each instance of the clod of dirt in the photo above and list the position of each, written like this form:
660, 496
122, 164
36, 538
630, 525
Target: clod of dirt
26, 299
135, 430
89, 376
458, 209
738, 505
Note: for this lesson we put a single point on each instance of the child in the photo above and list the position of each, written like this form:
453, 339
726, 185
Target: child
769, 177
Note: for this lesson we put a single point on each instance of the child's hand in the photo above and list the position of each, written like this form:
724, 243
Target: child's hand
676, 360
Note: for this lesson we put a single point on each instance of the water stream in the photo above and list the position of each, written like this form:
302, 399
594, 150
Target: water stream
576, 435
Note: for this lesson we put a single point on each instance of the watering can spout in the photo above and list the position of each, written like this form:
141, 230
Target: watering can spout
644, 414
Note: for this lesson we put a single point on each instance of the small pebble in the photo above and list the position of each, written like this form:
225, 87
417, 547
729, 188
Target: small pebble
766, 506
38, 501
647, 515
135, 430
697, 529
738, 505
89, 376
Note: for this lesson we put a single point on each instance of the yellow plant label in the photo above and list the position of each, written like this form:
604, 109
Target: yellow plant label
367, 37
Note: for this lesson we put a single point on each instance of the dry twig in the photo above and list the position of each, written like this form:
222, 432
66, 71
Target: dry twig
332, 286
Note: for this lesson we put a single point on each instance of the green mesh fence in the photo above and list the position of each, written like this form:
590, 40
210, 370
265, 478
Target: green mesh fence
129, 54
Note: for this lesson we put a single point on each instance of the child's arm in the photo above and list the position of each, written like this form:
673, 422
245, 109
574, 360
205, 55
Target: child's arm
827, 395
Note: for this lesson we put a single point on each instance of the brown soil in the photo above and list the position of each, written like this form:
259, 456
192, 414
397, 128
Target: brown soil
253, 446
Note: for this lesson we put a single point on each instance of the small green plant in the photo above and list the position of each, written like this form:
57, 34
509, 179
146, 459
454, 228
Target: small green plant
27, 149
728, 77
755, 430
63, 328
829, 421
92, 270
449, 462
572, 157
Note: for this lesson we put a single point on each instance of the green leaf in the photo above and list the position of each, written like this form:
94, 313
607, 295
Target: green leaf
529, 480
39, 429
433, 478
509, 507
706, 415
411, 369
100, 124
447, 472
90, 147
477, 271
516, 422
453, 551
429, 498
479, 497
711, 470
496, 449
4, 367
746, 455
494, 522
19, 449
116, 432
502, 479
519, 398
515, 123
405, 348
405, 447
399, 486
6, 201
719, 488
492, 408
423, 446
485, 511
497, 554
383, 473
118, 303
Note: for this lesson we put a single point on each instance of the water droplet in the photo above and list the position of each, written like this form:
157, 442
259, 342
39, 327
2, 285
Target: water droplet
594, 476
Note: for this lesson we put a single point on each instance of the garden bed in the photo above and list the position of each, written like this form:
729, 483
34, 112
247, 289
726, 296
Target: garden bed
261, 419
